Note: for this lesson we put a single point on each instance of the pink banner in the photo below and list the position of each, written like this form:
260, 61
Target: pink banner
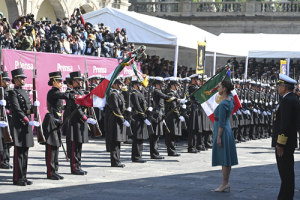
49, 62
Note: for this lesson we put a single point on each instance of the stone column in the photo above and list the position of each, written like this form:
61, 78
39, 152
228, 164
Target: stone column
250, 8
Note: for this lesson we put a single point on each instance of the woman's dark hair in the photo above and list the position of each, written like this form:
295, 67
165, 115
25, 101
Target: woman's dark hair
50, 82
228, 85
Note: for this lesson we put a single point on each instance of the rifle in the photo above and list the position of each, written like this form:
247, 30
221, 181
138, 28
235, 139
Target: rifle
37, 117
3, 116
96, 128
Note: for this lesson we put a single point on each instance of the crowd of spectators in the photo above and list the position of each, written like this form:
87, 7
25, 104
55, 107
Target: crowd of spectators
263, 70
66, 36
156, 66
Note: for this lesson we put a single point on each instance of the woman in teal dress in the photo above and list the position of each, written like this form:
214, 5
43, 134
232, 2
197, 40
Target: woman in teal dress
224, 150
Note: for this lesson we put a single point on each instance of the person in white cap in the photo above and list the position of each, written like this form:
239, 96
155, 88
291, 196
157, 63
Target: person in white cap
284, 139
139, 127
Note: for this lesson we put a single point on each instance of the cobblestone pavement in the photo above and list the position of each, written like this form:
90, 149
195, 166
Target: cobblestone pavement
187, 177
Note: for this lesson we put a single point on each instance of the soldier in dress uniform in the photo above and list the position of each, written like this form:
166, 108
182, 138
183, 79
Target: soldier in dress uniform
52, 120
21, 126
254, 116
174, 120
159, 110
5, 153
126, 92
116, 132
208, 127
67, 106
139, 127
285, 126
78, 133
195, 120
94, 82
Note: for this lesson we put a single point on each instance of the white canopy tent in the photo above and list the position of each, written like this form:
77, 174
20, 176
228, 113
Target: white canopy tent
258, 46
150, 30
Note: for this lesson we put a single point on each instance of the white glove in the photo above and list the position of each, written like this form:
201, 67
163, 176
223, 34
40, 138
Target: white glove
3, 102
258, 111
269, 113
183, 106
3, 124
242, 101
126, 123
147, 122
129, 109
91, 121
244, 111
182, 100
36, 103
101, 108
239, 112
181, 118
34, 123
267, 104
254, 110
248, 112
150, 109
265, 113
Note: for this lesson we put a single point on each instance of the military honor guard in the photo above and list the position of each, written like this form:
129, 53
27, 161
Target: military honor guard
195, 120
139, 127
285, 126
174, 119
5, 153
52, 122
78, 126
21, 126
117, 125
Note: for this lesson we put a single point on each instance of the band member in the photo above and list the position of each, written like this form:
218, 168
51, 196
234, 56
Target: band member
5, 153
174, 120
21, 126
67, 106
116, 130
78, 126
139, 127
51, 123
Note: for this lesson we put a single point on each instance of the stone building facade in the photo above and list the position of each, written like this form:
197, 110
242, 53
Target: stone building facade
55, 8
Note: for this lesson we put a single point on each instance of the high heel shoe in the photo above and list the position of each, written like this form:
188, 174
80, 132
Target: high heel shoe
226, 187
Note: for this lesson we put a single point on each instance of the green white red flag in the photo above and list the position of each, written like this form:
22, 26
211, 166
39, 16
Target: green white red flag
209, 97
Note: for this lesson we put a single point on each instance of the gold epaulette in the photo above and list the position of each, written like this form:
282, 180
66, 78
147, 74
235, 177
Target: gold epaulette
282, 139
124, 88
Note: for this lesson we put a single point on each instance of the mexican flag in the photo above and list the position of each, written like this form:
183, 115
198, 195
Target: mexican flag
97, 97
209, 97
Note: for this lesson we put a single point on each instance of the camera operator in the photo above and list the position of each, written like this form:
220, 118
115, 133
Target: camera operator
25, 41
63, 44
88, 28
4, 22
99, 39
83, 37
140, 53
79, 16
77, 45
91, 46
7, 41
105, 50
123, 53
118, 36
67, 30
40, 43
123, 33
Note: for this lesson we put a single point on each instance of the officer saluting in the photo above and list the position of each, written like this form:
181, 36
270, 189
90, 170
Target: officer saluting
52, 121
286, 118
20, 126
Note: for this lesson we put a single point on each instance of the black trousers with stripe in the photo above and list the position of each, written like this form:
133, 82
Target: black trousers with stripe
74, 154
51, 156
115, 153
20, 163
137, 149
154, 140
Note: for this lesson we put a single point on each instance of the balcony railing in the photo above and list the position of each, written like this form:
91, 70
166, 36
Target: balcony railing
188, 8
